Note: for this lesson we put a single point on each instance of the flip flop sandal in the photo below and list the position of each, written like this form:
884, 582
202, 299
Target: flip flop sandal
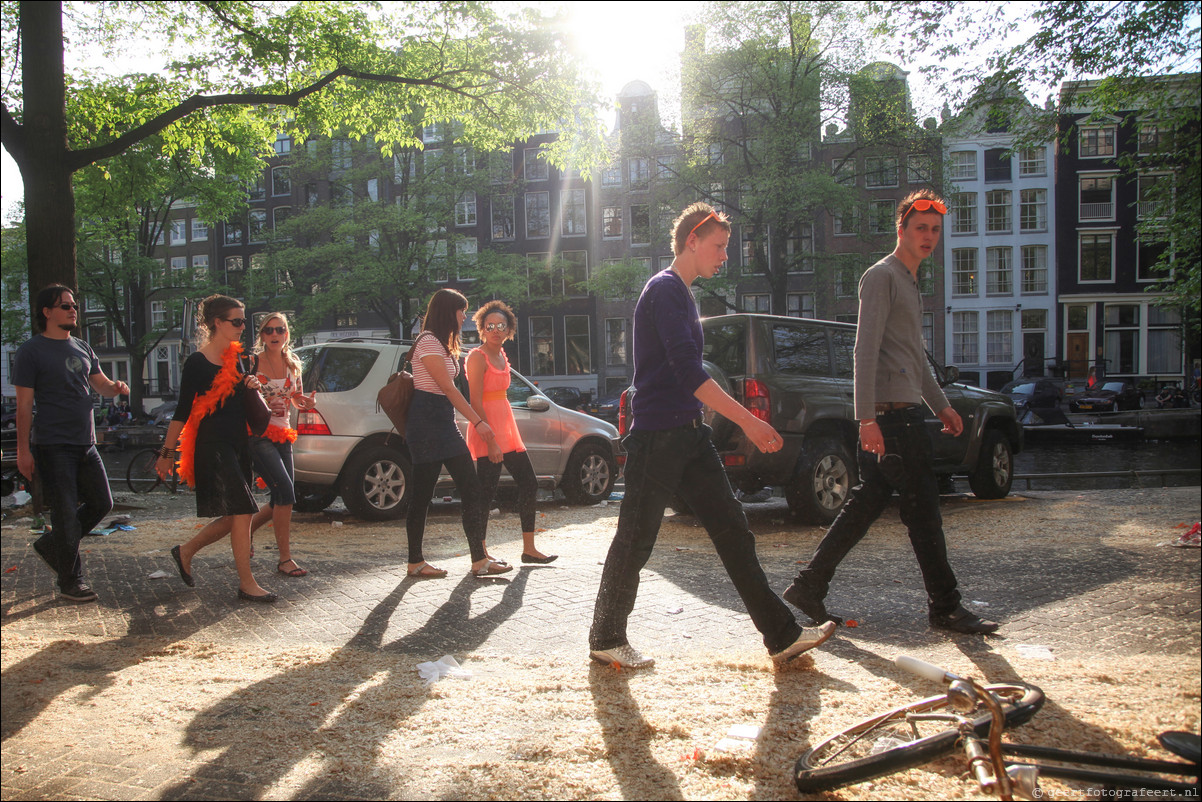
427, 571
295, 572
491, 568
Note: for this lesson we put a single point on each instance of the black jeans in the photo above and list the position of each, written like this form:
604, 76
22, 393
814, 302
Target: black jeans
913, 477
682, 461
519, 467
425, 477
74, 480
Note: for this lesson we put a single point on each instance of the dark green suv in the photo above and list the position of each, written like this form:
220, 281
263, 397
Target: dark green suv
797, 374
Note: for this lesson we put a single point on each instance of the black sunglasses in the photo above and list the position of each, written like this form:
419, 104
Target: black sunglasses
68, 307
274, 330
236, 322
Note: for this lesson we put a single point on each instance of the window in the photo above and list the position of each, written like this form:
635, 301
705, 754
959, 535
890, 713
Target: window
98, 334
432, 162
665, 166
502, 217
799, 304
611, 176
542, 346
578, 342
714, 155
258, 190
918, 169
342, 195
1150, 251
538, 214
999, 337
465, 210
1155, 197
179, 232
997, 212
880, 171
158, 314
611, 222
340, 154
844, 172
801, 350
846, 281
640, 224
615, 341
279, 216
233, 264
639, 173
534, 168
881, 221
757, 302
574, 221
1155, 138
964, 213
1035, 320
373, 189
282, 145
432, 133
200, 267
997, 165
665, 262
1097, 257
754, 254
1033, 161
928, 331
233, 233
999, 271
1120, 343
964, 165
575, 272
1035, 269
965, 343
1033, 210
281, 183
312, 197
799, 248
1164, 340
258, 224
847, 222
200, 230
964, 271
500, 168
465, 161
1096, 197
1097, 141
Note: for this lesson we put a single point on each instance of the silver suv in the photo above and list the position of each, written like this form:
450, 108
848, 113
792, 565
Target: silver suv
346, 447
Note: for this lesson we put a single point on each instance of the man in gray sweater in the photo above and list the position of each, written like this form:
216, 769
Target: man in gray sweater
892, 380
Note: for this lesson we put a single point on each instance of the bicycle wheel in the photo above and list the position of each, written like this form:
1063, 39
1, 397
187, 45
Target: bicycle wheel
893, 741
141, 476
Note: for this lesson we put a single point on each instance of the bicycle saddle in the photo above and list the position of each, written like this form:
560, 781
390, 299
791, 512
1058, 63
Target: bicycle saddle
1183, 744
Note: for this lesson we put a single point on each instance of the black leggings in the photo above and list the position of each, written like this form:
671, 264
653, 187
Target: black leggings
519, 467
425, 477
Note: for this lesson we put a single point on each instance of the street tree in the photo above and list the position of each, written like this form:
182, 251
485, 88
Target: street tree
316, 67
1117, 54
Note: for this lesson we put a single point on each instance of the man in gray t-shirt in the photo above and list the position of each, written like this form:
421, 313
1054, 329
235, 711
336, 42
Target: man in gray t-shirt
58, 372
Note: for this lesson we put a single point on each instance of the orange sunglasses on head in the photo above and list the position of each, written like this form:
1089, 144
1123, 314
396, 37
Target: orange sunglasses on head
705, 220
925, 205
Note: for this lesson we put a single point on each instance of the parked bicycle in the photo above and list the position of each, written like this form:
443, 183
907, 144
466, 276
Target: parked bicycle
141, 476
975, 716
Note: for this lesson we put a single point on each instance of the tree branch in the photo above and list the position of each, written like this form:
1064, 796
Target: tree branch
13, 134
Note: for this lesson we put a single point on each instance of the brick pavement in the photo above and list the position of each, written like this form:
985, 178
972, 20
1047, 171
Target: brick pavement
1080, 572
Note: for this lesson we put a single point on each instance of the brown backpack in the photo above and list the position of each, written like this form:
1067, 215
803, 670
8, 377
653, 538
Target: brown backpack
396, 395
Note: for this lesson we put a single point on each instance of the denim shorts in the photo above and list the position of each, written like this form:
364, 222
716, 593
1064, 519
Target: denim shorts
273, 461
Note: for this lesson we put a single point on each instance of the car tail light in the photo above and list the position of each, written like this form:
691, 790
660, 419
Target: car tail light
623, 412
755, 398
311, 422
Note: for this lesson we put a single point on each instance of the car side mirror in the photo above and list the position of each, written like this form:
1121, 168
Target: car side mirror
951, 375
538, 403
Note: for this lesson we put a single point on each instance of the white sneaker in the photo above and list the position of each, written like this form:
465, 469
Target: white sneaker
808, 639
624, 656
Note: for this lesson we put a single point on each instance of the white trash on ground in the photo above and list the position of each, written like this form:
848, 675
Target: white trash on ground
445, 666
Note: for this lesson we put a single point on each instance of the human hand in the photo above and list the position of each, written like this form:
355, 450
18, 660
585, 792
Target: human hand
763, 436
278, 406
164, 466
303, 401
120, 388
871, 439
495, 454
252, 382
952, 424
25, 464
485, 431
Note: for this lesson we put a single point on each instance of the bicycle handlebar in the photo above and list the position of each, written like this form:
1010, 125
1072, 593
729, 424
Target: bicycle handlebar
926, 670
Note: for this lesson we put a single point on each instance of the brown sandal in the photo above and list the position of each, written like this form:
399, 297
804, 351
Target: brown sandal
295, 572
427, 571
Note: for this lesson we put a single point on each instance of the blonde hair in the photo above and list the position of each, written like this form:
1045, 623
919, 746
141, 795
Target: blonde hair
289, 358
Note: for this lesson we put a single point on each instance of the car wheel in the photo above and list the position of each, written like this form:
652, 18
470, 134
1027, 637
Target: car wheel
590, 474
995, 468
314, 500
825, 475
376, 484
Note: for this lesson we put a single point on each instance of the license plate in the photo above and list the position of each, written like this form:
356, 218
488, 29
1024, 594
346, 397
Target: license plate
1084, 406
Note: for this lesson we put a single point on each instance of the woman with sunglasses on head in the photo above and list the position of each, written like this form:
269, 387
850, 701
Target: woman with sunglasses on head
434, 439
279, 374
209, 431
488, 382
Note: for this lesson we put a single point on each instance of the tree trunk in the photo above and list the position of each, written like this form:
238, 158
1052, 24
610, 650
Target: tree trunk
45, 169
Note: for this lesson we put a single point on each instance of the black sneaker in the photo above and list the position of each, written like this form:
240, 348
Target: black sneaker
803, 599
964, 621
79, 592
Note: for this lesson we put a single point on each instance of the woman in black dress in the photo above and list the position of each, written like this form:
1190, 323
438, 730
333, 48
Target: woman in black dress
209, 431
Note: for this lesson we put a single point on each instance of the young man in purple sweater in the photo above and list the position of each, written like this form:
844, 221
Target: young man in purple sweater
668, 451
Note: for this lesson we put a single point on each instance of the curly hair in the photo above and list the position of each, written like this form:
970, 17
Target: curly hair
208, 311
498, 307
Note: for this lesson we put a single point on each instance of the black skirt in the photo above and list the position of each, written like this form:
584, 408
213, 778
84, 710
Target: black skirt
430, 429
223, 471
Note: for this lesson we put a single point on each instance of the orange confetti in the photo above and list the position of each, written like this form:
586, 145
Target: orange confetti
10, 570
852, 623
314, 704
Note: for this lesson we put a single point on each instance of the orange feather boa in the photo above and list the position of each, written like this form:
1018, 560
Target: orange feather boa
224, 384
280, 434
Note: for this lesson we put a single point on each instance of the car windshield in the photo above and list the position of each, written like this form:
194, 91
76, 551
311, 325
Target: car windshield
1114, 387
1022, 389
